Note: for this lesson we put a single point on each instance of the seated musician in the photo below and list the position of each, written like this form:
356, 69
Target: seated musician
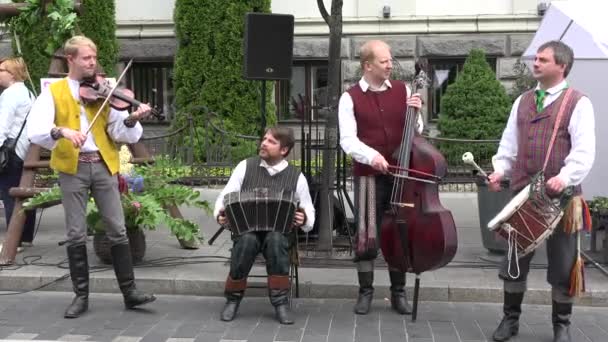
521, 154
267, 170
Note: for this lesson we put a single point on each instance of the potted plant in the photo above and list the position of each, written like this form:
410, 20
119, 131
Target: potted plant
153, 190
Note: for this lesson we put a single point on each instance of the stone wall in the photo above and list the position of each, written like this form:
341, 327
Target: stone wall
506, 48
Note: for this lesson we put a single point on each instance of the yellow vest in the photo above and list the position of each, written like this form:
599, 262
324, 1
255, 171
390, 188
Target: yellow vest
64, 157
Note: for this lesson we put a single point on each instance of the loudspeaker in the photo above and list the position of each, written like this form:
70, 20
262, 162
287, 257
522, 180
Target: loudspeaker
268, 46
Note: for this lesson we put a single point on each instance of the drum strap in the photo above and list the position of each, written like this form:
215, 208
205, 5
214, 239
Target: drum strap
560, 115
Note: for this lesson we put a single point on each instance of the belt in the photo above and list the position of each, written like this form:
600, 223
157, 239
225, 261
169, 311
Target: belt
89, 157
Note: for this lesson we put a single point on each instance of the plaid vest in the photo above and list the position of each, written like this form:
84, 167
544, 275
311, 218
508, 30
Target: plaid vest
535, 130
380, 119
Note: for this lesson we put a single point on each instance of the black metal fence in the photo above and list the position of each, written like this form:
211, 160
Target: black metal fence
211, 152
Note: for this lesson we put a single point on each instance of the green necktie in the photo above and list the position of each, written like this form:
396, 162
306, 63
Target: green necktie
540, 99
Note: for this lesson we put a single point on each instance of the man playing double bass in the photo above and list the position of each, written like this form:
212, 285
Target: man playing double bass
521, 154
372, 118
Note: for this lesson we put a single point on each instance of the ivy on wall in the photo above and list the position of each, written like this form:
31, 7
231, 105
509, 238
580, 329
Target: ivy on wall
208, 68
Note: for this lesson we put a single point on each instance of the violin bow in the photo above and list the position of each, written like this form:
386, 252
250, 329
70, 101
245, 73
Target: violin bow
124, 72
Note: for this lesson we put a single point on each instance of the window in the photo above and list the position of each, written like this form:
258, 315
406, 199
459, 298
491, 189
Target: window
443, 72
302, 96
152, 82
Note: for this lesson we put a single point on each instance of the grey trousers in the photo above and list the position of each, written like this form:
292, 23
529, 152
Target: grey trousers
94, 177
561, 255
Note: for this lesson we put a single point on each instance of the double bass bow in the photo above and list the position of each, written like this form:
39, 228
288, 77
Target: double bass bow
418, 233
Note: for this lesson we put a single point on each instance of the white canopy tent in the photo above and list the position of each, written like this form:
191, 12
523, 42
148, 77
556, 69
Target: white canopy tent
582, 25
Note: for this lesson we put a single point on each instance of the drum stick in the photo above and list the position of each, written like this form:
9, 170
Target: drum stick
468, 158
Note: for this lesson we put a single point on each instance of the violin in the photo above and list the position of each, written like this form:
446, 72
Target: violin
97, 88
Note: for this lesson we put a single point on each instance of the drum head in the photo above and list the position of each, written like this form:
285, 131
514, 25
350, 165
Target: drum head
511, 207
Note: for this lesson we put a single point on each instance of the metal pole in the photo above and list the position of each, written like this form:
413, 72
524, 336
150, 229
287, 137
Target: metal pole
263, 109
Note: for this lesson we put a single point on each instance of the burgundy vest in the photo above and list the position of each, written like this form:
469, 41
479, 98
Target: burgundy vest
380, 119
535, 130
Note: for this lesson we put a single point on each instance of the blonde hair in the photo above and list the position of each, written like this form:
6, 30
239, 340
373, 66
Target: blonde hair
366, 52
71, 45
16, 66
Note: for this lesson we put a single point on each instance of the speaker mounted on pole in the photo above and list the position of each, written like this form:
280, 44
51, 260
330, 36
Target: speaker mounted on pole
268, 46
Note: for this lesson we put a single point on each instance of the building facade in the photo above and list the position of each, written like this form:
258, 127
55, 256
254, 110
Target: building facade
440, 31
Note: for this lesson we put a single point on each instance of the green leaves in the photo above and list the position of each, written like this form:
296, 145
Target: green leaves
476, 106
43, 198
41, 35
98, 22
208, 71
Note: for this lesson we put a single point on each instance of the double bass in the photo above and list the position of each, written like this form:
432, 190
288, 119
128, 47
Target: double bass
418, 234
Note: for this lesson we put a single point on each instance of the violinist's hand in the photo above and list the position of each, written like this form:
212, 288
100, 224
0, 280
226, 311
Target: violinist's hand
555, 186
299, 218
415, 101
494, 181
142, 111
379, 163
76, 137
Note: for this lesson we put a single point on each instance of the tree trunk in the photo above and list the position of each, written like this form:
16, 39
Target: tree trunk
331, 125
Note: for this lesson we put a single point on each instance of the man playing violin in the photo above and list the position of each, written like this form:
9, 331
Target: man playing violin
372, 119
87, 163
521, 154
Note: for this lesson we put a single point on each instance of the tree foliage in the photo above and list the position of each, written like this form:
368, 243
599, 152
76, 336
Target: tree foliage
476, 106
41, 31
98, 22
208, 68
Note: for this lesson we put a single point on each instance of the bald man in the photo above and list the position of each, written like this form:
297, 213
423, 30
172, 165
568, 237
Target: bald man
372, 118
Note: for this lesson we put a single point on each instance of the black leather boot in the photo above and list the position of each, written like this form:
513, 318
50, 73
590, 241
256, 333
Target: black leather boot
509, 326
398, 296
366, 292
233, 300
278, 298
79, 272
123, 268
560, 315
278, 291
234, 292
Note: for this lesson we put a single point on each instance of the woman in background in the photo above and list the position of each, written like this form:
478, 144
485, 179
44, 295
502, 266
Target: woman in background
15, 103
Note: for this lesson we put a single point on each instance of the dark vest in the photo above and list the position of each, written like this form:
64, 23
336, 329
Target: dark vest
380, 120
535, 130
258, 177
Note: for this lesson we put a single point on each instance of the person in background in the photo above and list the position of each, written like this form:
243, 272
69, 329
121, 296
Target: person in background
15, 103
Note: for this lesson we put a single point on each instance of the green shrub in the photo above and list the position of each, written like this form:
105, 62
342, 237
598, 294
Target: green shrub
208, 68
98, 22
476, 106
41, 35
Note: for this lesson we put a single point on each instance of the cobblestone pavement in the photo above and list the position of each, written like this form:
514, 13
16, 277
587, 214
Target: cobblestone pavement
39, 316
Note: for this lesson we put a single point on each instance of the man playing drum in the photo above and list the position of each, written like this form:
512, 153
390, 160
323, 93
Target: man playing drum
521, 154
267, 170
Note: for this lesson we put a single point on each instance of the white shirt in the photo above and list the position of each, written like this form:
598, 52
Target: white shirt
236, 181
42, 120
15, 103
582, 136
349, 141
